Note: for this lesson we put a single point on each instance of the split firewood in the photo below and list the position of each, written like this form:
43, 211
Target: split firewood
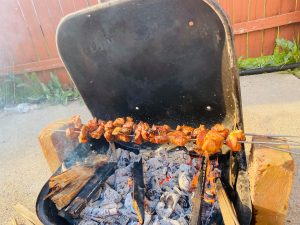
91, 190
65, 186
227, 209
27, 214
271, 175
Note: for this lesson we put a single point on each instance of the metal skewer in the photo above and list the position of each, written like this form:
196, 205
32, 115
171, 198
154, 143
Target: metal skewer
272, 135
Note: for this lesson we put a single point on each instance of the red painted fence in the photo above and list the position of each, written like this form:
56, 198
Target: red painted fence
27, 40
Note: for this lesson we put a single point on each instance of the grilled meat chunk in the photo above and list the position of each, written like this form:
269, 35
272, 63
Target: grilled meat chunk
178, 138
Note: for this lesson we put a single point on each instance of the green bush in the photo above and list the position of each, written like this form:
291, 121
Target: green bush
285, 52
15, 89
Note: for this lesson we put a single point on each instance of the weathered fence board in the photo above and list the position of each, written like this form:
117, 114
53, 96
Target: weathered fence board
27, 41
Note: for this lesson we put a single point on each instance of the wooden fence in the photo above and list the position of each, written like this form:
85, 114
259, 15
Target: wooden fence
27, 40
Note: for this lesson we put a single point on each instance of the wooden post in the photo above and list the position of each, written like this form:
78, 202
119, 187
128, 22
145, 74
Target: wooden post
55, 145
271, 176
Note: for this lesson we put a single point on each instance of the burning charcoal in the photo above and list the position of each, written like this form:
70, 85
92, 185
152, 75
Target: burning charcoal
128, 202
156, 221
185, 168
184, 181
90, 212
153, 190
88, 222
167, 221
110, 195
183, 201
166, 205
154, 164
111, 180
122, 186
123, 220
148, 218
125, 171
134, 157
124, 159
151, 205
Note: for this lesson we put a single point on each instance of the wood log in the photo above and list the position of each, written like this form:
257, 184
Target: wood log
271, 176
55, 145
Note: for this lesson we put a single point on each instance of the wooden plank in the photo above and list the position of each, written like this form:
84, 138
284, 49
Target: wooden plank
240, 14
34, 28
12, 221
27, 214
265, 23
67, 6
80, 4
271, 176
255, 39
270, 35
287, 31
41, 8
55, 12
47, 64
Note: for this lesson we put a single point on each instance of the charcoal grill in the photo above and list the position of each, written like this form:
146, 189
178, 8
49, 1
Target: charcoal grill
160, 61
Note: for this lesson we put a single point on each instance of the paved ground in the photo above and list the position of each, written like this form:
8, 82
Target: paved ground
271, 104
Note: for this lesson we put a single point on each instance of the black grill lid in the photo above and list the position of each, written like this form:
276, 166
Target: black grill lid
160, 61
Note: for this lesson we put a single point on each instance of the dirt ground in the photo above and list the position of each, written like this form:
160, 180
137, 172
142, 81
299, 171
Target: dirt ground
271, 104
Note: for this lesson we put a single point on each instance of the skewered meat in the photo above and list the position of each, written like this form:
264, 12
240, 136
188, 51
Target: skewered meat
157, 131
221, 130
71, 133
92, 124
129, 123
208, 141
233, 140
119, 122
83, 136
121, 130
108, 135
213, 142
109, 125
186, 129
138, 139
76, 121
98, 132
198, 130
178, 138
161, 139
161, 129
200, 137
145, 131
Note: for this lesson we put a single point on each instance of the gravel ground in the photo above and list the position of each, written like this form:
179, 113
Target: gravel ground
271, 104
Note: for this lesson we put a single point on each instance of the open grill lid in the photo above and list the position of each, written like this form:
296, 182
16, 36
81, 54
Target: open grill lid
160, 61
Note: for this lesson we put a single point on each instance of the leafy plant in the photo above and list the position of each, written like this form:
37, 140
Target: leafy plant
28, 88
54, 92
285, 52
